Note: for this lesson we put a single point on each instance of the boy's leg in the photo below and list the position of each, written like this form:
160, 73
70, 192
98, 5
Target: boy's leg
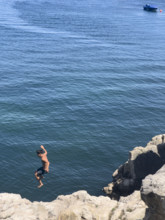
39, 179
36, 175
40, 183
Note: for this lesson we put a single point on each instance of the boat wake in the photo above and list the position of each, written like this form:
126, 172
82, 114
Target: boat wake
10, 17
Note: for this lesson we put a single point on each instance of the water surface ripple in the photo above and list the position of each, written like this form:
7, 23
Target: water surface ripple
83, 78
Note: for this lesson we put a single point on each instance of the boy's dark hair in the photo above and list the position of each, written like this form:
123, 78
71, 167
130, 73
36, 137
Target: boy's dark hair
39, 151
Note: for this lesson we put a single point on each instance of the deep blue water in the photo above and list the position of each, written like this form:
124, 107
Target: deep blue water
84, 78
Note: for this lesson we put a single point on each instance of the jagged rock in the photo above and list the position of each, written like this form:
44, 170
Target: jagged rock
77, 206
153, 194
142, 161
130, 208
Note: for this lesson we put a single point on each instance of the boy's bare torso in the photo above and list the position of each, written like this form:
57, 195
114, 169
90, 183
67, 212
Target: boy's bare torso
45, 163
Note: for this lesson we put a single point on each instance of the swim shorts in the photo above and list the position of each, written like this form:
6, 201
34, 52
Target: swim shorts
41, 171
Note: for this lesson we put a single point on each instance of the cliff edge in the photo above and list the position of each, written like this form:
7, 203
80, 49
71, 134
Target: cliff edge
77, 206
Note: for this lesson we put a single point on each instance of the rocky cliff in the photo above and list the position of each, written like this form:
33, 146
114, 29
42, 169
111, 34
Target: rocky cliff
78, 206
142, 162
153, 193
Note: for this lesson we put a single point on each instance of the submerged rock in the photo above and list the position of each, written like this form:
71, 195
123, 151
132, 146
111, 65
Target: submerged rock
142, 161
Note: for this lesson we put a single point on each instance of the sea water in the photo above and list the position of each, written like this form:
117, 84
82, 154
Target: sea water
84, 78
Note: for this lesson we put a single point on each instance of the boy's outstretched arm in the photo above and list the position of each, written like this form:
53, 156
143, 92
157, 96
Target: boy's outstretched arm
42, 147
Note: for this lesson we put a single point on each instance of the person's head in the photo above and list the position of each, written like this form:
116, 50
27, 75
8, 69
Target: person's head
39, 152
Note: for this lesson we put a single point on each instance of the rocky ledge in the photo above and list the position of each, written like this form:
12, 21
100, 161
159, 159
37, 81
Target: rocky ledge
137, 176
78, 206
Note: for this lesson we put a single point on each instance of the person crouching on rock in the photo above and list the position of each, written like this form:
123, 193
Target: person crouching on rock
42, 153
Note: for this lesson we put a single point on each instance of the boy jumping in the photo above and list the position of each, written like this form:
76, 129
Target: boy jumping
45, 165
